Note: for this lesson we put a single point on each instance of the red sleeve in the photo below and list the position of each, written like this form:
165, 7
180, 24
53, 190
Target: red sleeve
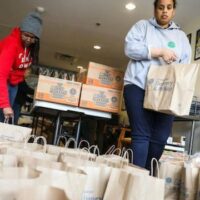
7, 58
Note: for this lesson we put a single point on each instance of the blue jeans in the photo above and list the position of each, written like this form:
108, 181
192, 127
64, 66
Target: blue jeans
149, 129
12, 90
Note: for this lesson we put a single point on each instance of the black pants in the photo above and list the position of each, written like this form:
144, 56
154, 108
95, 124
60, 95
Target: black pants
150, 129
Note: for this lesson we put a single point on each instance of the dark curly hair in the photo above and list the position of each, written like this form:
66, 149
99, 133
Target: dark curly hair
156, 2
35, 52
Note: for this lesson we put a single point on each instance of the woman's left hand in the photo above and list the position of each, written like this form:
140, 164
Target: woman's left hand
8, 112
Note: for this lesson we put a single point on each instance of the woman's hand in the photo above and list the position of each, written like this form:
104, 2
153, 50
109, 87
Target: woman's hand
8, 112
168, 55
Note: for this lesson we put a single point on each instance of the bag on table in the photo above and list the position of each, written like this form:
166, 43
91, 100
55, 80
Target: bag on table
11, 132
170, 88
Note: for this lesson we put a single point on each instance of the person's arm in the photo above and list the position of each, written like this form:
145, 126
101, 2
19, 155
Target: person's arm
135, 45
7, 58
187, 51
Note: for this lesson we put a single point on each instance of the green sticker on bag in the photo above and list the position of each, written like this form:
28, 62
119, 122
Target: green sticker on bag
171, 44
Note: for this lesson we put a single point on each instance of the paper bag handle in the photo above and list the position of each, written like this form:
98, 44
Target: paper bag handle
157, 167
69, 141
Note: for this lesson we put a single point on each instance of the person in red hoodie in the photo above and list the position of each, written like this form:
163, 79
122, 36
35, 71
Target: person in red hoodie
18, 51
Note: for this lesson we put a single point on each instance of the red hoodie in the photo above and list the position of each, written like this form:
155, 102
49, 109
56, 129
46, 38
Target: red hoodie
14, 60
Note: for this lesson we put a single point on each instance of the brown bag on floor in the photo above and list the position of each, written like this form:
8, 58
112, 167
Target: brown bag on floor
170, 88
144, 187
96, 182
189, 182
171, 171
8, 160
34, 163
117, 184
72, 181
13, 179
10, 132
41, 192
113, 158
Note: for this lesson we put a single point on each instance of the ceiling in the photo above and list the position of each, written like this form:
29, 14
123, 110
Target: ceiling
70, 27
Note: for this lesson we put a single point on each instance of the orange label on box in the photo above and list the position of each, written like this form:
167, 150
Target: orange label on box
104, 99
58, 90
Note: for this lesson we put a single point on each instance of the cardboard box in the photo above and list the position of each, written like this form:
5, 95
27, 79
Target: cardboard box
99, 98
58, 90
104, 76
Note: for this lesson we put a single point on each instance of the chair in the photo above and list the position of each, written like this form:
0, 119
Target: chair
123, 140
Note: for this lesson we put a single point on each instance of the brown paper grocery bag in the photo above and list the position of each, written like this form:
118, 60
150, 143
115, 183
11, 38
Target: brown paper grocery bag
33, 146
41, 193
170, 88
11, 132
96, 182
113, 158
77, 157
57, 149
189, 182
9, 187
14, 179
72, 181
117, 184
136, 187
134, 169
8, 160
34, 163
18, 173
21, 149
198, 189
144, 187
171, 171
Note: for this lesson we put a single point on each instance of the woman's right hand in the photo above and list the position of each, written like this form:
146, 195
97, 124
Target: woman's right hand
8, 112
167, 55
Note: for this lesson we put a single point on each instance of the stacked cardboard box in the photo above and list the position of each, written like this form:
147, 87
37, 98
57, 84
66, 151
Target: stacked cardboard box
58, 90
102, 88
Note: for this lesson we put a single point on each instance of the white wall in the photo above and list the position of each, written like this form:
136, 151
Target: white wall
192, 28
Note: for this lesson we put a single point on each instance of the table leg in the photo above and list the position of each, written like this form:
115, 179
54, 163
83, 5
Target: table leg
56, 128
78, 131
191, 138
35, 124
